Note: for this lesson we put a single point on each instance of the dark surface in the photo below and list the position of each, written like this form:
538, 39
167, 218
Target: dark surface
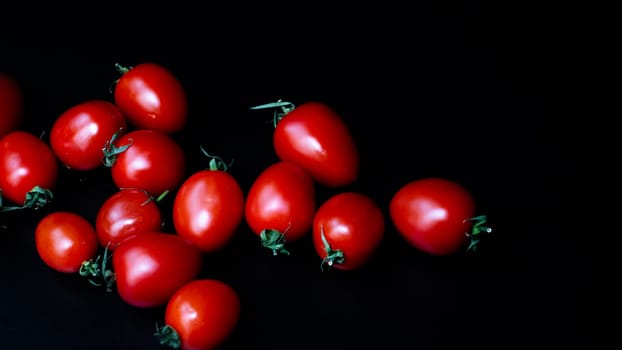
468, 92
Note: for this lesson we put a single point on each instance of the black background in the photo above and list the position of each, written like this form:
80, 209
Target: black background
472, 91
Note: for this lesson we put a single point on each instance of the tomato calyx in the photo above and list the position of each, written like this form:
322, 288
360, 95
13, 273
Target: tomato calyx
333, 256
94, 271
111, 151
282, 108
36, 199
168, 336
121, 70
476, 230
275, 240
216, 163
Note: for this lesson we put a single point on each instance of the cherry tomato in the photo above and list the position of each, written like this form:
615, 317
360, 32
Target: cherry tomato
151, 97
208, 208
79, 133
347, 230
314, 136
436, 216
124, 214
28, 169
11, 104
146, 159
151, 266
201, 315
65, 240
280, 205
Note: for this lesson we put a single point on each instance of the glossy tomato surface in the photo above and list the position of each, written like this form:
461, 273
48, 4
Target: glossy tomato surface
124, 214
281, 201
152, 97
315, 137
64, 240
347, 230
11, 103
432, 214
80, 133
203, 313
149, 160
151, 266
208, 208
26, 161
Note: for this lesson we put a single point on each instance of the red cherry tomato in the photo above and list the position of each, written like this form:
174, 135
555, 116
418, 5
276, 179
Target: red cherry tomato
201, 315
151, 266
79, 134
147, 159
314, 136
28, 169
124, 214
347, 230
280, 205
208, 208
65, 240
11, 104
436, 216
151, 97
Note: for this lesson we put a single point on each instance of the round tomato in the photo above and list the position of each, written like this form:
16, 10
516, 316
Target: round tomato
146, 159
208, 208
280, 205
436, 216
151, 97
124, 214
65, 240
11, 104
151, 266
201, 315
315, 137
79, 134
347, 230
28, 169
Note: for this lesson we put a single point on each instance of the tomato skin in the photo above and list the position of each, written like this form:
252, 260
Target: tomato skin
151, 97
150, 266
124, 214
154, 162
430, 214
64, 240
352, 223
80, 132
208, 208
11, 104
315, 137
204, 313
26, 161
282, 198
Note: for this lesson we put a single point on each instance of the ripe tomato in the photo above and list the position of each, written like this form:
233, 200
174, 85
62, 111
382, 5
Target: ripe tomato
151, 266
208, 208
124, 214
11, 104
436, 216
201, 315
79, 133
315, 137
151, 97
28, 169
65, 240
347, 230
280, 205
146, 159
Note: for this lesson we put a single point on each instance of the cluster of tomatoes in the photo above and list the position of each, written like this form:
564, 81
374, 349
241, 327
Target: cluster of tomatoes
126, 247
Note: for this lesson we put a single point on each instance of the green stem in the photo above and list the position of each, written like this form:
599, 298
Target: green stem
275, 240
168, 336
96, 271
476, 230
281, 109
111, 151
333, 256
216, 163
36, 199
